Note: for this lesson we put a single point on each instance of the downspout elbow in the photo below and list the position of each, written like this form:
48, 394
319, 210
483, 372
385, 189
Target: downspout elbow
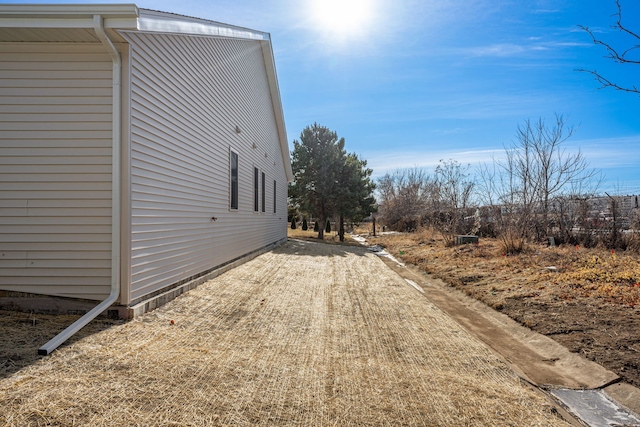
114, 293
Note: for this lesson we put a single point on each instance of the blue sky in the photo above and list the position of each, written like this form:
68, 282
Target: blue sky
410, 82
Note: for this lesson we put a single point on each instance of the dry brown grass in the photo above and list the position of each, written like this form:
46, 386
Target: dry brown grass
309, 334
587, 299
565, 272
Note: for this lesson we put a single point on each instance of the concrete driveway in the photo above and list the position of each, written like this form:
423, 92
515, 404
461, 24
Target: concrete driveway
308, 334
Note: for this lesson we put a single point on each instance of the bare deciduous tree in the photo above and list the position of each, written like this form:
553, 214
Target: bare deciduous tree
558, 170
454, 190
537, 170
404, 196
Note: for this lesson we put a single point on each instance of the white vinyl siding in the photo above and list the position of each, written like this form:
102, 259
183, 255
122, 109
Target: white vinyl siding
55, 169
191, 99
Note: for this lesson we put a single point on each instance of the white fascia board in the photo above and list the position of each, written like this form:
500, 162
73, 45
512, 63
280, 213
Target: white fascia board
46, 23
117, 17
276, 101
120, 23
109, 23
161, 22
68, 10
68, 16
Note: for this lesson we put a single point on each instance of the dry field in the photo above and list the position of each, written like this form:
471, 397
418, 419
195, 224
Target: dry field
309, 334
586, 299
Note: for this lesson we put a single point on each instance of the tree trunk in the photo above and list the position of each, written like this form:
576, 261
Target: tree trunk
614, 236
341, 228
322, 222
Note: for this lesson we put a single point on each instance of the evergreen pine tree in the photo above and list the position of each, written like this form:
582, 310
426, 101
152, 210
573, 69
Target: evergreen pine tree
293, 223
316, 226
328, 229
305, 226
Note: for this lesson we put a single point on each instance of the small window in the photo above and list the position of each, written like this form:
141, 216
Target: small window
255, 189
275, 205
233, 202
264, 193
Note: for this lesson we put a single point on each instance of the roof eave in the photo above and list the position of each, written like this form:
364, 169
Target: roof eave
276, 101
163, 22
116, 16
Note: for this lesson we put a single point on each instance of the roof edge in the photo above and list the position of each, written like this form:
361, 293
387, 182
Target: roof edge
68, 10
118, 17
276, 102
165, 22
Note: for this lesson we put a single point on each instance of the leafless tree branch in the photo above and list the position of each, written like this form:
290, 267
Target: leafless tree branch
616, 54
606, 83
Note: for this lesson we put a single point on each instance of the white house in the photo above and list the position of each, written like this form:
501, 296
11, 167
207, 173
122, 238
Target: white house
140, 151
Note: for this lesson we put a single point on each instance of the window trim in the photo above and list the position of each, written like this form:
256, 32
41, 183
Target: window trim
256, 187
234, 191
263, 205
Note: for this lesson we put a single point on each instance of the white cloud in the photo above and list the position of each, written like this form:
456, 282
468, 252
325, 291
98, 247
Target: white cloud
610, 152
383, 162
607, 154
500, 50
545, 11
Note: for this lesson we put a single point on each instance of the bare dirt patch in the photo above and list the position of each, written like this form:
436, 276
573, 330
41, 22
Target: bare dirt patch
307, 334
586, 299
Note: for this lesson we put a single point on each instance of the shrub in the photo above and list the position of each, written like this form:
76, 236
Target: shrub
293, 224
328, 228
305, 226
511, 242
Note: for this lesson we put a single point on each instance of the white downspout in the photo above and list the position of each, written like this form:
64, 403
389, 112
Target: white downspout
56, 341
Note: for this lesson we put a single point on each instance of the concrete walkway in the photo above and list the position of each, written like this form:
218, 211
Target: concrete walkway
308, 334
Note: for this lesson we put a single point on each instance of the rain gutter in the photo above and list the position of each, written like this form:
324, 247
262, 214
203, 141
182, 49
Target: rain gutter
55, 342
